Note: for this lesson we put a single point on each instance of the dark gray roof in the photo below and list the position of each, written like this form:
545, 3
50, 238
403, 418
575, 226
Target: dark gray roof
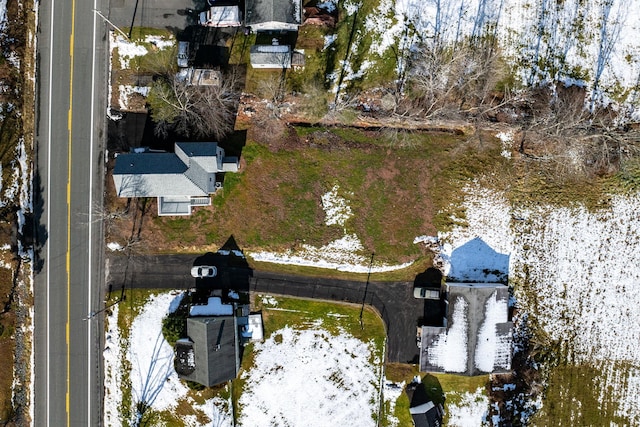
198, 149
215, 348
148, 163
426, 415
273, 11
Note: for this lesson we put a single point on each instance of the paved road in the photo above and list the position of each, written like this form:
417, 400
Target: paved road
173, 15
393, 300
70, 112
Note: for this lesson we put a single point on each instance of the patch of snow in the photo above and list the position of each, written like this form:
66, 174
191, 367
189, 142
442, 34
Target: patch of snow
269, 300
213, 307
113, 246
391, 393
238, 253
341, 254
493, 350
318, 377
112, 357
507, 143
125, 93
127, 50
329, 39
336, 208
471, 411
160, 42
3, 14
449, 349
329, 5
351, 7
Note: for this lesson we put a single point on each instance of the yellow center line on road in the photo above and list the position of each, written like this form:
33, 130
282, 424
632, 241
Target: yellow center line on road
71, 45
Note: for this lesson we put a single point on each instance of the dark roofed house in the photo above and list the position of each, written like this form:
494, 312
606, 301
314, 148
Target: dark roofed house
427, 415
273, 14
210, 355
216, 333
179, 180
476, 335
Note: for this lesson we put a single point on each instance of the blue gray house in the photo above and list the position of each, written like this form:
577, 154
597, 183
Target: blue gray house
179, 180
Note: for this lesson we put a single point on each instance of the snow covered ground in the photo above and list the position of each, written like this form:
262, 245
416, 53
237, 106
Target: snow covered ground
469, 410
580, 272
302, 372
296, 373
589, 42
151, 374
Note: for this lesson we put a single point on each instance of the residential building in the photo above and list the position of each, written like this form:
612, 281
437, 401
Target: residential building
475, 336
216, 333
179, 180
264, 15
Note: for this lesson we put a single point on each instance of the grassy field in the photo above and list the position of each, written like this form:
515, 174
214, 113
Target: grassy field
396, 191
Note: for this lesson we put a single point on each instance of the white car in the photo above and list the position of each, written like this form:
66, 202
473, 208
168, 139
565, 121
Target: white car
426, 293
204, 271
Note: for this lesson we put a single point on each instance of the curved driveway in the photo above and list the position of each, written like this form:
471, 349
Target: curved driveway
393, 300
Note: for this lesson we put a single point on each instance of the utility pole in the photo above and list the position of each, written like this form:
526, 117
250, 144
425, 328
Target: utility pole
128, 37
135, 9
366, 287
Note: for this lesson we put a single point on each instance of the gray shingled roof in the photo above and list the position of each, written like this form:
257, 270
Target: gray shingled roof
215, 349
264, 11
190, 171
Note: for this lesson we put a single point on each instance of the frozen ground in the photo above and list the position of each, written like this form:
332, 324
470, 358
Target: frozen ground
302, 372
589, 42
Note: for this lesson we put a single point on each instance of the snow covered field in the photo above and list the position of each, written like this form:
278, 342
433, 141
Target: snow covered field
588, 42
578, 276
303, 372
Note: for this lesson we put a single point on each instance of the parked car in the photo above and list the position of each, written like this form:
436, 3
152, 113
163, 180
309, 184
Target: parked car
183, 54
426, 293
204, 271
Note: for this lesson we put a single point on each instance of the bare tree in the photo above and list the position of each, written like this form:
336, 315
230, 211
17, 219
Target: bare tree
195, 110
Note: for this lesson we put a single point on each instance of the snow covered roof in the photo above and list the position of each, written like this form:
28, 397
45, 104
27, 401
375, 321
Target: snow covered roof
213, 307
477, 337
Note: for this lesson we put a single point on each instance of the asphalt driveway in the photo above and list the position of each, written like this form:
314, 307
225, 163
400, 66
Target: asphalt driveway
393, 300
